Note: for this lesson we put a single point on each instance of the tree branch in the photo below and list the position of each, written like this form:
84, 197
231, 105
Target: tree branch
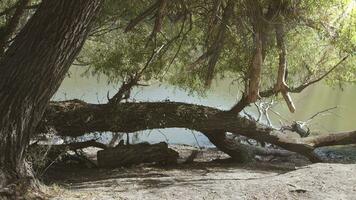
218, 43
159, 18
11, 26
305, 85
300, 88
141, 17
82, 145
281, 85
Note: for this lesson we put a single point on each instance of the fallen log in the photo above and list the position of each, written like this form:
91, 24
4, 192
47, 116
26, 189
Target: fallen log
75, 118
126, 155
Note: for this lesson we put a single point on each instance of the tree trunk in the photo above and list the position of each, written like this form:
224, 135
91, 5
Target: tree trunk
31, 71
76, 118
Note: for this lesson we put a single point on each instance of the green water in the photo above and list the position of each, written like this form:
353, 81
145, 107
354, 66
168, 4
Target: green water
223, 95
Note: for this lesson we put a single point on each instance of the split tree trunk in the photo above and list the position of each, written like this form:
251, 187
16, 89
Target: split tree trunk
31, 71
76, 118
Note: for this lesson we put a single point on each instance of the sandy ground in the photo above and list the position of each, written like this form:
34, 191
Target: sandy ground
277, 179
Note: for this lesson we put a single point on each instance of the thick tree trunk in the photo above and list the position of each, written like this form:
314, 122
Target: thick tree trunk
31, 71
75, 118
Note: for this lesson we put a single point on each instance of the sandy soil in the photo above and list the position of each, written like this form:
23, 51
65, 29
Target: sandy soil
277, 179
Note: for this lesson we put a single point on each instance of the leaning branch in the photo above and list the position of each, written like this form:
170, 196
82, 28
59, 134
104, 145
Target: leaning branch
253, 75
281, 85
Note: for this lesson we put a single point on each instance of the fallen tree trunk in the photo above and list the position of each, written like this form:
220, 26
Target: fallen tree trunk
125, 155
75, 118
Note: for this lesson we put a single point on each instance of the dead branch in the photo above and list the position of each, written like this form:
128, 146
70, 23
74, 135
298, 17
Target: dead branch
86, 144
318, 113
297, 127
81, 145
331, 139
259, 112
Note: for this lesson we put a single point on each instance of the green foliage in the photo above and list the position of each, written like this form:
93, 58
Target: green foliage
318, 35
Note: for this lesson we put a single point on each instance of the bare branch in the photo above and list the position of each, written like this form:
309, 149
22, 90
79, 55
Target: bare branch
318, 113
82, 145
259, 112
305, 85
332, 139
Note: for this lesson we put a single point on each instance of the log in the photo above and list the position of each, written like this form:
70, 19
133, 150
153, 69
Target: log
75, 118
132, 154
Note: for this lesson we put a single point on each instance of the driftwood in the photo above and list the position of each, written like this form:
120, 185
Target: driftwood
125, 155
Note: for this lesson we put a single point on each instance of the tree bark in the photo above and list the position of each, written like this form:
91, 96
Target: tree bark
126, 155
76, 118
31, 71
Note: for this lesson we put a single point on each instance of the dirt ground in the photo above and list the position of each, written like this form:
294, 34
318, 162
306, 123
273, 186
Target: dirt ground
268, 178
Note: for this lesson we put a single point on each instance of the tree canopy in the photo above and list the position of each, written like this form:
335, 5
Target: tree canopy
195, 42
190, 43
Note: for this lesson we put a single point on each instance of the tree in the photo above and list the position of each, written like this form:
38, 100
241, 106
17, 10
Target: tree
185, 43
193, 42
32, 69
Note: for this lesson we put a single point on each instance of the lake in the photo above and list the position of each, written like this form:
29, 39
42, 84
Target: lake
222, 95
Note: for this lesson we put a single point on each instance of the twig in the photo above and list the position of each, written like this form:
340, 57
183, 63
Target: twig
165, 137
318, 113
124, 91
196, 140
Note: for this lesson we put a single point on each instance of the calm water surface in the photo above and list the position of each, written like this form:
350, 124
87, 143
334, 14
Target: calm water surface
222, 95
